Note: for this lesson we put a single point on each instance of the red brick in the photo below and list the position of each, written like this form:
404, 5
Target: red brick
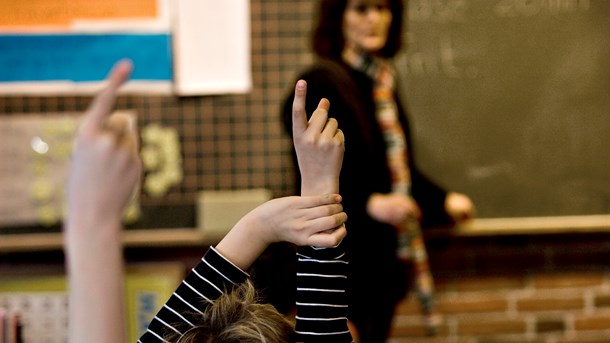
412, 326
567, 280
590, 338
592, 322
543, 303
491, 326
428, 340
482, 303
550, 325
412, 329
489, 283
510, 339
602, 301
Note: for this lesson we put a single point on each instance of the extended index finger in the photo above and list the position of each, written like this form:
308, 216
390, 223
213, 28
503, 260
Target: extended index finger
102, 104
299, 117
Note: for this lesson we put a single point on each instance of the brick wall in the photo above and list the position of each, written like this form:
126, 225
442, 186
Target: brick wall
543, 289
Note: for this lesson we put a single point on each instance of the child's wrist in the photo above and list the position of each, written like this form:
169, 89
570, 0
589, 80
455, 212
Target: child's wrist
316, 187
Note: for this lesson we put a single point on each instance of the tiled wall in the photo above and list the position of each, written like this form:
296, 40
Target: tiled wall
228, 141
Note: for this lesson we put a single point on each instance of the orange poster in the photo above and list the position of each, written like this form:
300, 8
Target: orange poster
30, 14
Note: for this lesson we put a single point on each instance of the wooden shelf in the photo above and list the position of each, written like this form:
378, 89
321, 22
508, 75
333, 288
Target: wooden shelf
131, 238
187, 237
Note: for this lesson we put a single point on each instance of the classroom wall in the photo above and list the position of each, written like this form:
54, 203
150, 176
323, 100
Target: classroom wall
549, 288
228, 141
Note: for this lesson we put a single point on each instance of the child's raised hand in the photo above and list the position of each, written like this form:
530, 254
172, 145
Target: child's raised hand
319, 145
105, 165
104, 170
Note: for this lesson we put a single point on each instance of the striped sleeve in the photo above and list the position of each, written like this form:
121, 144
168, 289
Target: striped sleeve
321, 295
210, 278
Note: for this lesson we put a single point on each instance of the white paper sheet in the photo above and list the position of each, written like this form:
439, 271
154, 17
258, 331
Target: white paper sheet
211, 43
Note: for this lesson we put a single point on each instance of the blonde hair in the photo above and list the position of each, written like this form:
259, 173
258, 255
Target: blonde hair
238, 316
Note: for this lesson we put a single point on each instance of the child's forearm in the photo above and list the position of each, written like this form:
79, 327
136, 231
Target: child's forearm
95, 265
242, 245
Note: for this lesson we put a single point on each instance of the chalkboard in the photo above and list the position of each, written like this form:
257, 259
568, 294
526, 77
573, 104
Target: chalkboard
510, 102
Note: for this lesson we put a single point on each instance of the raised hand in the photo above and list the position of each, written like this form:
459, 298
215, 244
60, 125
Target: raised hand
104, 170
105, 165
316, 218
319, 145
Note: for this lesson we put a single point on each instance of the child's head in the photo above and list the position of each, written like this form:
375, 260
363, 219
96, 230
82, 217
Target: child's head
238, 316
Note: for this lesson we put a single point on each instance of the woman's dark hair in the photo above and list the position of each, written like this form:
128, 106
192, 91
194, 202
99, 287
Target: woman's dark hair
327, 38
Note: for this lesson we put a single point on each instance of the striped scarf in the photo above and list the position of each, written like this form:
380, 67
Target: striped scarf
411, 247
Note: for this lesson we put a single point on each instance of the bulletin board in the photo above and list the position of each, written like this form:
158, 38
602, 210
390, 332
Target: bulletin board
57, 47
36, 151
67, 47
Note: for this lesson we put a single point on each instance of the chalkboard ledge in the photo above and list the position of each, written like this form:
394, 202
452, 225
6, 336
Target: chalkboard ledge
533, 225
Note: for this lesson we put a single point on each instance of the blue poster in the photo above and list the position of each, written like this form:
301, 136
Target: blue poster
83, 57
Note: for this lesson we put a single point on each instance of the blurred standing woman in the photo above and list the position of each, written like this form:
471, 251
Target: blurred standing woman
382, 188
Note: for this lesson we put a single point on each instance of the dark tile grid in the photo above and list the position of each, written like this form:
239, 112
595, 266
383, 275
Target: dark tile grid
228, 141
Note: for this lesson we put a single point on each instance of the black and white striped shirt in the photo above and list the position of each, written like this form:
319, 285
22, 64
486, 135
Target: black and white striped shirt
321, 298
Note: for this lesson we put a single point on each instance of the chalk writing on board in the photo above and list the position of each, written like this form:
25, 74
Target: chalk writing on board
529, 8
448, 50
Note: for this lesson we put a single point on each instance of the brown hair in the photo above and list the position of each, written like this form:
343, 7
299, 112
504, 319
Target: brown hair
235, 317
327, 38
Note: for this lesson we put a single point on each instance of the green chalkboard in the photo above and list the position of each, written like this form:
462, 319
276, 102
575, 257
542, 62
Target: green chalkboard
510, 102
